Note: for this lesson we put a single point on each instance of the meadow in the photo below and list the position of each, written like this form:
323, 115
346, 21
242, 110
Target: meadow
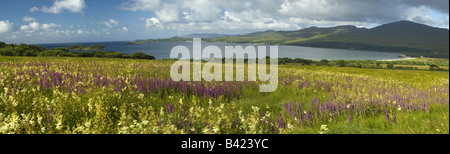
68, 95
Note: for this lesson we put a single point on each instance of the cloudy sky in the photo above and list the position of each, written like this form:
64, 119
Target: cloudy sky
55, 21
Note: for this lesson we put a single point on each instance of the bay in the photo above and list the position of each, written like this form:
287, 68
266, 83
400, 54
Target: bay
162, 50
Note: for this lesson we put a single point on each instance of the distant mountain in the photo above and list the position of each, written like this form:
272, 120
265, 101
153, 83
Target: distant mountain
404, 37
204, 35
172, 39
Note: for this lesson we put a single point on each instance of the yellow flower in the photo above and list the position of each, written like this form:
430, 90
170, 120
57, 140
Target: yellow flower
141, 96
323, 129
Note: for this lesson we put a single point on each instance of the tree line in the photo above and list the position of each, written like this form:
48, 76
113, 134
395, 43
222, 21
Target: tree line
39, 51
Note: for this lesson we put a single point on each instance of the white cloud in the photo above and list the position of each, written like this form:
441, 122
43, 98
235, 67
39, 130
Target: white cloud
422, 14
36, 26
80, 32
6, 26
50, 26
141, 5
34, 9
168, 13
111, 23
75, 6
153, 22
258, 15
228, 16
28, 19
202, 10
125, 29
31, 27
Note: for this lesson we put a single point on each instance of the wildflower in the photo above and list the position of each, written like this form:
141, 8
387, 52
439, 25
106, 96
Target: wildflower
323, 129
141, 96
206, 130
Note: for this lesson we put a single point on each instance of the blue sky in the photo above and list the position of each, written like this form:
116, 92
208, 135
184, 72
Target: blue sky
56, 21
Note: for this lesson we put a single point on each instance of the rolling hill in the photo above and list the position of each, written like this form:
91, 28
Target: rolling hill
404, 37
204, 35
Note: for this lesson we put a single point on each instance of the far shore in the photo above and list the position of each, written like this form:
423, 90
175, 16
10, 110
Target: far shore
406, 58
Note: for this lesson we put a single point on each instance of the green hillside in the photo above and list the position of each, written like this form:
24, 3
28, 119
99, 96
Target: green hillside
404, 37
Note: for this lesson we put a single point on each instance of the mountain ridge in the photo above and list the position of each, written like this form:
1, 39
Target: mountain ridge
403, 37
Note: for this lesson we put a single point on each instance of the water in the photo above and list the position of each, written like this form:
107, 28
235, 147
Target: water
162, 50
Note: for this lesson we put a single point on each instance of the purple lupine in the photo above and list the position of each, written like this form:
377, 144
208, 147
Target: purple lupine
387, 115
395, 117
351, 120
280, 122
26, 127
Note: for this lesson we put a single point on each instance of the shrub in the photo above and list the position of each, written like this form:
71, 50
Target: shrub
390, 66
141, 55
323, 62
340, 63
2, 44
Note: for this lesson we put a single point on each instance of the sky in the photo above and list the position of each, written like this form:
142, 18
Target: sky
59, 21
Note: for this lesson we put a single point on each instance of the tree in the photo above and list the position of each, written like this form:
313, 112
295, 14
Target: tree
141, 55
281, 62
30, 53
434, 67
340, 63
37, 49
86, 54
390, 66
323, 62
19, 51
6, 53
378, 64
2, 44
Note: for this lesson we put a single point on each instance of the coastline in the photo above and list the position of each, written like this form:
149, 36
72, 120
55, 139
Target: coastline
403, 57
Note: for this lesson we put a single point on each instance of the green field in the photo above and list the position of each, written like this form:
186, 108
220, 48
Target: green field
47, 95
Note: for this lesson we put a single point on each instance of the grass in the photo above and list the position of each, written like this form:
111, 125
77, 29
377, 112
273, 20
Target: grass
50, 95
